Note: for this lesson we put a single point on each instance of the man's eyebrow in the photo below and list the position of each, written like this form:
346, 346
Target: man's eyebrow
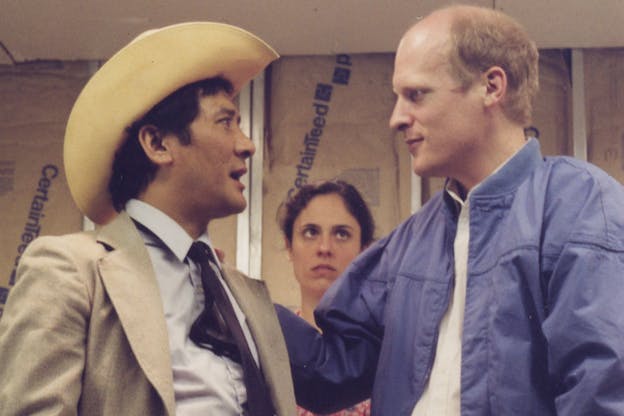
227, 111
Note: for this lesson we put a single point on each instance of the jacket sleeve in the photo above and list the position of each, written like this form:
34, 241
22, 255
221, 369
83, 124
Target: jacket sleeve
42, 333
585, 332
336, 369
584, 328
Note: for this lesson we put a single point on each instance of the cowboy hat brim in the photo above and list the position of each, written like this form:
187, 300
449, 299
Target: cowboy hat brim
136, 78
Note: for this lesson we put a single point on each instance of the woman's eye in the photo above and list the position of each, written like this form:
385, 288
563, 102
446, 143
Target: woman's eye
343, 234
309, 233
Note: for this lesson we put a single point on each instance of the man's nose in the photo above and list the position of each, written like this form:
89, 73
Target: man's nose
244, 146
399, 120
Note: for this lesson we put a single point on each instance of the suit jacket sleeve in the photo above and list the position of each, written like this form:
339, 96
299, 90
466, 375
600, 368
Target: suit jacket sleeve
43, 331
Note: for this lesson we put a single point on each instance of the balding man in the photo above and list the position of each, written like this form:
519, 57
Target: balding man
501, 295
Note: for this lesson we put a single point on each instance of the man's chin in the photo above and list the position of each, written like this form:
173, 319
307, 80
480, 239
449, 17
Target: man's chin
238, 206
232, 209
425, 170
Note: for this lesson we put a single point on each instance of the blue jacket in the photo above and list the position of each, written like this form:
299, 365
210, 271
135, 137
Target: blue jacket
543, 330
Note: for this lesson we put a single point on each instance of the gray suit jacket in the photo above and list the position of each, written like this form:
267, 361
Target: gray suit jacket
83, 331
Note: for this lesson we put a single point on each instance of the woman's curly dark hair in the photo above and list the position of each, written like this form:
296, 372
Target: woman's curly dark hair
290, 209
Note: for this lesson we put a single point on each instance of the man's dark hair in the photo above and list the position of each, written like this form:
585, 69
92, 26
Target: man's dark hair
132, 170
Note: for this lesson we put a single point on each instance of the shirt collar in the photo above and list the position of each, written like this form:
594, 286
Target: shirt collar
163, 227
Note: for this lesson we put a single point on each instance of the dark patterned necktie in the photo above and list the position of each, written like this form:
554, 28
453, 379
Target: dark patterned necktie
217, 328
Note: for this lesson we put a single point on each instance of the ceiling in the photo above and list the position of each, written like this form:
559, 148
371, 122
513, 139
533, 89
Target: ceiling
95, 29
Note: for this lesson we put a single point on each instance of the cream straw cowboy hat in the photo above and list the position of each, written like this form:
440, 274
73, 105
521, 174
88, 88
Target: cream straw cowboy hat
136, 78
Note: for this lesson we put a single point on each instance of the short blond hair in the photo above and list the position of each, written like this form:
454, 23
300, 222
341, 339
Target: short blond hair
481, 38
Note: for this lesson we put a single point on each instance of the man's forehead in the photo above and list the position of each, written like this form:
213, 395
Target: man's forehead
419, 67
220, 97
430, 32
219, 103
423, 48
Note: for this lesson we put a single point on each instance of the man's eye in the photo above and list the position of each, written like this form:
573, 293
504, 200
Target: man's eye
226, 121
415, 95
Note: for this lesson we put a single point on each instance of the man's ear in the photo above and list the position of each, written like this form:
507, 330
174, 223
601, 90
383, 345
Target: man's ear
154, 145
495, 80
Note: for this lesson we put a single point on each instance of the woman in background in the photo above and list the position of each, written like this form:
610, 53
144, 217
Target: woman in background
325, 226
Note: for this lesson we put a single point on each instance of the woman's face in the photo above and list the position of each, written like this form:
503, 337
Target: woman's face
326, 238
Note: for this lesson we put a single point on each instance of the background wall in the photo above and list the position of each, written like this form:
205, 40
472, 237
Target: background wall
604, 80
34, 197
76, 29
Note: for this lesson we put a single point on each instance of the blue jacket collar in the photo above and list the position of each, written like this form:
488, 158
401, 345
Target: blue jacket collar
505, 180
512, 173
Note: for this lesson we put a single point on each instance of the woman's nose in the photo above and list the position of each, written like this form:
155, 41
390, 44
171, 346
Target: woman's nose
325, 245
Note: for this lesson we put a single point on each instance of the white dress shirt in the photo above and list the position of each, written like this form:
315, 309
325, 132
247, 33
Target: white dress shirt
442, 394
204, 383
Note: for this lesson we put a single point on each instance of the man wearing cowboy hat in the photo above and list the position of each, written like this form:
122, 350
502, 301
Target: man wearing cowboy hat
107, 322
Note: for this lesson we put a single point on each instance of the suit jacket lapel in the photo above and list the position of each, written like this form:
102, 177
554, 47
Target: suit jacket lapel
253, 298
129, 278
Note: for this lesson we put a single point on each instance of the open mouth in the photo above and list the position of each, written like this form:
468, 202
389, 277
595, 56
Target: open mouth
237, 174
